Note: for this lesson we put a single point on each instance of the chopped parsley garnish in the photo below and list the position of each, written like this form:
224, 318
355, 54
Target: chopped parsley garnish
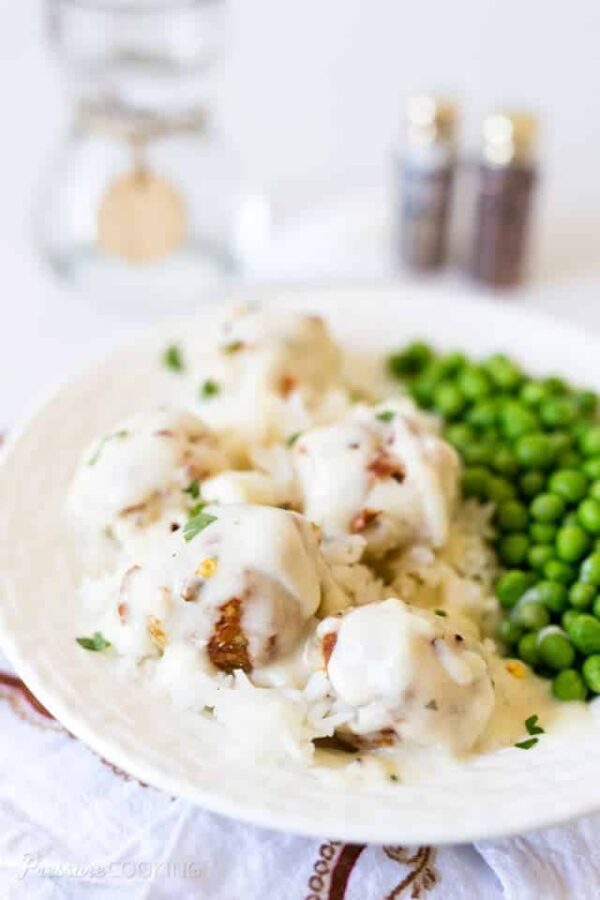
440, 612
209, 389
233, 347
173, 359
293, 438
386, 415
432, 705
531, 724
528, 744
97, 642
196, 509
193, 489
393, 777
197, 524
117, 435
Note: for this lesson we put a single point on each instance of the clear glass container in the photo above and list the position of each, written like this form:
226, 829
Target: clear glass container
143, 196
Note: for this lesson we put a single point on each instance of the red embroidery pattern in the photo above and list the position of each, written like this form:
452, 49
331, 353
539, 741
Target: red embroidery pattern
336, 863
25, 705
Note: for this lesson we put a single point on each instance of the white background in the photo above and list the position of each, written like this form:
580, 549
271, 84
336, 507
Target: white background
312, 101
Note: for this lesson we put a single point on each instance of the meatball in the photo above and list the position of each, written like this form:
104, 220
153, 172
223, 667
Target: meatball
380, 473
404, 675
243, 589
276, 372
140, 470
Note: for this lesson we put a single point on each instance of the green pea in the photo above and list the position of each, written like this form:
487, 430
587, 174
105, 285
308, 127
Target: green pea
482, 414
499, 489
581, 595
542, 532
590, 569
452, 363
504, 461
474, 481
554, 385
568, 617
569, 685
534, 451
531, 614
460, 435
552, 594
511, 586
588, 513
511, 515
586, 401
410, 361
555, 649
516, 420
572, 543
531, 483
557, 412
591, 467
527, 649
479, 453
585, 634
596, 607
532, 393
594, 490
589, 442
569, 484
510, 633
539, 555
591, 672
557, 570
547, 508
422, 391
512, 549
448, 399
503, 372
474, 382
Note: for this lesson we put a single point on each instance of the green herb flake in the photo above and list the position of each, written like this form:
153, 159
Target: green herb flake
197, 524
209, 389
440, 612
193, 489
96, 643
386, 415
117, 435
196, 509
528, 744
173, 359
233, 347
393, 777
531, 724
432, 705
293, 438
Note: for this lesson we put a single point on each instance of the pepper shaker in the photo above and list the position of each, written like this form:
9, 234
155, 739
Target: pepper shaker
506, 181
426, 174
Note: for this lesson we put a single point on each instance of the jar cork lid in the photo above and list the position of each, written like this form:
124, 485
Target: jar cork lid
430, 118
508, 138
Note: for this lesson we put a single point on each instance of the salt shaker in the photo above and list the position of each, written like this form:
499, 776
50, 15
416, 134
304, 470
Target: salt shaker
506, 180
426, 174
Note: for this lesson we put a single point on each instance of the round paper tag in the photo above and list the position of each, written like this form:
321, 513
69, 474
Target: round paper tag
142, 218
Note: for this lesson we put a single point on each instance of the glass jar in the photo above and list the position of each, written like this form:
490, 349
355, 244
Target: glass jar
143, 197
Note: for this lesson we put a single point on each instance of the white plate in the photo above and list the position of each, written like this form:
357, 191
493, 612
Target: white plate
505, 792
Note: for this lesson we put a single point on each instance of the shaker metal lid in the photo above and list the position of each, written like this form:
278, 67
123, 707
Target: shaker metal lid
508, 137
430, 118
